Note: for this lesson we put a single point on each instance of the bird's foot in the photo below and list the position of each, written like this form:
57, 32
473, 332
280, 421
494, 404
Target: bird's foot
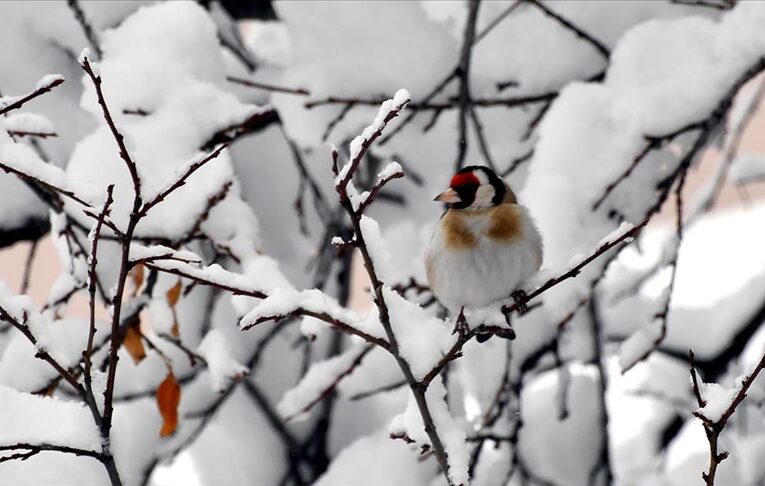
521, 301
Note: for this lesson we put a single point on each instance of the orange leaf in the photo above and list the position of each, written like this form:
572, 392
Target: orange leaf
174, 294
133, 343
168, 398
137, 274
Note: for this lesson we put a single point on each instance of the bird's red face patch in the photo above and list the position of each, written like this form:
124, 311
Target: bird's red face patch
465, 179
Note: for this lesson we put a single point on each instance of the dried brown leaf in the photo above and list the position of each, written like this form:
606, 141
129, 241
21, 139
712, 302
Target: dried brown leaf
137, 275
133, 343
174, 294
168, 398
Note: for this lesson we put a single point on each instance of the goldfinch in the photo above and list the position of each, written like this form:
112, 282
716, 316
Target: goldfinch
485, 246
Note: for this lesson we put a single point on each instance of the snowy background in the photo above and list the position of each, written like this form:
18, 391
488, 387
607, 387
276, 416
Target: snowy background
228, 367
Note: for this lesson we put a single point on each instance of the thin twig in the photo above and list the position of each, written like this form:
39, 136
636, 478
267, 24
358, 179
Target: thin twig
34, 449
713, 428
463, 77
118, 138
598, 45
87, 29
41, 90
180, 180
26, 278
267, 86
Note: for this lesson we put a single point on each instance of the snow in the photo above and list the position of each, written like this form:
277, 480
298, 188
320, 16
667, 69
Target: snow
573, 442
63, 339
186, 105
214, 274
381, 257
593, 131
588, 137
159, 252
33, 419
377, 370
222, 366
388, 107
451, 434
706, 313
311, 327
23, 159
376, 457
390, 170
84, 56
749, 452
282, 302
269, 40
718, 398
639, 344
318, 380
422, 339
28, 122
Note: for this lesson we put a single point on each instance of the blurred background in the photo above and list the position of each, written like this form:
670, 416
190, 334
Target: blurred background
593, 111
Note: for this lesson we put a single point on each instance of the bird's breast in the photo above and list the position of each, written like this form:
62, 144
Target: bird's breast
463, 230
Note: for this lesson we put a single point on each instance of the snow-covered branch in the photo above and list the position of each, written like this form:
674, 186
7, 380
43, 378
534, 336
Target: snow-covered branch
716, 405
45, 85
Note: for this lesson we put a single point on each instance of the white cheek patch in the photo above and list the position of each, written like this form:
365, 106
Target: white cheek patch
483, 196
483, 179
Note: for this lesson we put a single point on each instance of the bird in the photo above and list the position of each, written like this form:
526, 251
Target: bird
486, 244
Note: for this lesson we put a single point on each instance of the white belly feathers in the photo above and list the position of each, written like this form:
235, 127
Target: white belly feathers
486, 269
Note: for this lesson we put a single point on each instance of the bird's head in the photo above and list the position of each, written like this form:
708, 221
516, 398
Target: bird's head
475, 187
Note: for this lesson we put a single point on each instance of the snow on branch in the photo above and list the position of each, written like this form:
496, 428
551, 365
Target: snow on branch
217, 354
45, 85
33, 423
390, 172
182, 176
22, 161
213, 275
29, 125
359, 145
140, 254
322, 378
643, 342
625, 232
311, 303
95, 77
716, 406
19, 312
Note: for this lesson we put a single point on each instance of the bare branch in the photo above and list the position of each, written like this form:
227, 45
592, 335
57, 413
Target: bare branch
267, 86
87, 355
598, 45
43, 135
87, 29
25, 279
463, 76
574, 271
180, 180
34, 449
123, 151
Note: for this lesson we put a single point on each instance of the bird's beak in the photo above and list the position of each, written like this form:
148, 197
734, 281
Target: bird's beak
449, 196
